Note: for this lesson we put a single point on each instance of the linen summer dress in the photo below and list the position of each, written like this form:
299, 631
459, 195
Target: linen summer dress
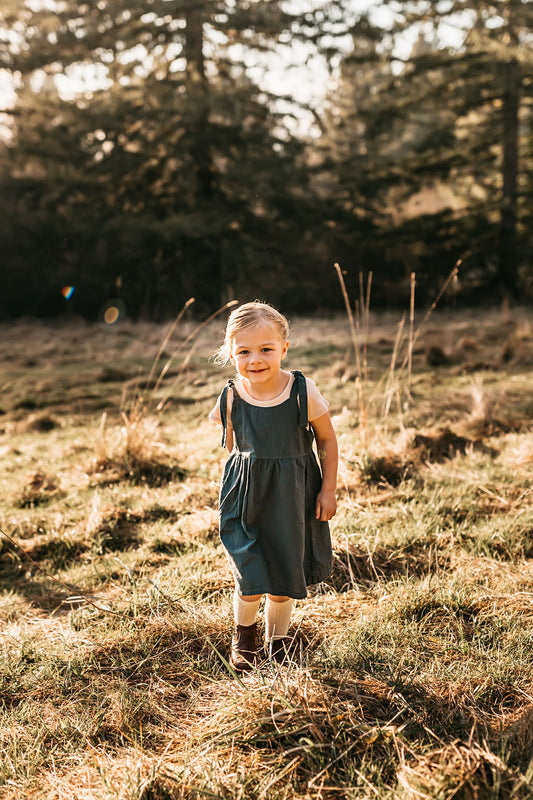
271, 479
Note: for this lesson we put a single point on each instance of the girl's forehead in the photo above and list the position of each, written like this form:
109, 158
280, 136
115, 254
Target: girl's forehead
261, 332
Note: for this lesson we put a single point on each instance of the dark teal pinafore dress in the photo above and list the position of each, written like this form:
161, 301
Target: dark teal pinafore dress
267, 500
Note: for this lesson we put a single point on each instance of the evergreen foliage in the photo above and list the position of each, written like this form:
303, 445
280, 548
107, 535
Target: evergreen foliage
447, 121
173, 177
172, 171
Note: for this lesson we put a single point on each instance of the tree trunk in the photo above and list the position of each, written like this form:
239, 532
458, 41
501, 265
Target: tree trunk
194, 52
198, 98
208, 266
508, 251
512, 79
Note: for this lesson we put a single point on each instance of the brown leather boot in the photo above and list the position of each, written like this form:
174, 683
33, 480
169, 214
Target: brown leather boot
244, 647
279, 649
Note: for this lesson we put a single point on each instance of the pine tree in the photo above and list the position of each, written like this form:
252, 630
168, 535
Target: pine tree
170, 172
456, 115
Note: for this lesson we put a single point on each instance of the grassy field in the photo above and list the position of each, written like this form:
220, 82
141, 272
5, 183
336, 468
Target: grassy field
413, 667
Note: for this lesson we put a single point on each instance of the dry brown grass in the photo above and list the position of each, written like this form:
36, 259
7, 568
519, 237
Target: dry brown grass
412, 664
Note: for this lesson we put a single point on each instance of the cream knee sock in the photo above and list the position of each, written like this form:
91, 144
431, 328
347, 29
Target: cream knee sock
277, 618
245, 611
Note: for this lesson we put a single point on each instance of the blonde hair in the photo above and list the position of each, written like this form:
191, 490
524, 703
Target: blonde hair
246, 316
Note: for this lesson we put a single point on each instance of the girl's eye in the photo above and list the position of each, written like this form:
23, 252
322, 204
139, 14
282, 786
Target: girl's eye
267, 349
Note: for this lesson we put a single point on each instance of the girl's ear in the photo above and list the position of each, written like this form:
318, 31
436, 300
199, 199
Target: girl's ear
284, 349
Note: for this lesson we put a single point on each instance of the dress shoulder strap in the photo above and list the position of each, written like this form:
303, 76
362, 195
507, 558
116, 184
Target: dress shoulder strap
301, 388
224, 410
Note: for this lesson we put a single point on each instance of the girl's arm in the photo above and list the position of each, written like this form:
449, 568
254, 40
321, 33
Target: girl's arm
229, 438
216, 417
328, 454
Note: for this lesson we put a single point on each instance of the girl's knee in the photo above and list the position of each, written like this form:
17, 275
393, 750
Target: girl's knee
275, 598
250, 598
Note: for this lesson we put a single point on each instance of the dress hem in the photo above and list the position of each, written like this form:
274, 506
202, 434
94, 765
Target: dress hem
283, 592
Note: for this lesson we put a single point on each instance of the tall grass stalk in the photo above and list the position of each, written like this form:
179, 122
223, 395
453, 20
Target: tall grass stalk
355, 342
413, 339
142, 402
399, 380
355, 338
398, 377
411, 331
137, 446
391, 386
364, 302
190, 338
165, 340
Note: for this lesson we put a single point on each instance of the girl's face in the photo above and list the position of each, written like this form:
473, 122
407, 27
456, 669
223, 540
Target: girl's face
257, 353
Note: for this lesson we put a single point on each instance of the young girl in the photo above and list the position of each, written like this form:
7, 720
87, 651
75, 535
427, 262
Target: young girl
275, 501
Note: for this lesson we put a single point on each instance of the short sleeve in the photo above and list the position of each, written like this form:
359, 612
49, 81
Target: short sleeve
316, 404
214, 414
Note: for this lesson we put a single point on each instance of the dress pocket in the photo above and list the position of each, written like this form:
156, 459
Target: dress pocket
232, 490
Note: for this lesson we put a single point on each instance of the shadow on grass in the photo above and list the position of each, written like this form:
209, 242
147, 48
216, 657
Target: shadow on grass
355, 566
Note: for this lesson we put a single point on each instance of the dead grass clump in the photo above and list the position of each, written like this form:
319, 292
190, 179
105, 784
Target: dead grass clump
471, 614
26, 527
206, 575
199, 525
41, 423
518, 347
27, 403
468, 343
462, 771
39, 489
356, 565
402, 461
293, 737
172, 650
133, 452
494, 413
440, 446
58, 552
517, 606
123, 772
173, 545
506, 537
519, 732
109, 374
117, 530
389, 468
517, 452
436, 357
498, 578
438, 618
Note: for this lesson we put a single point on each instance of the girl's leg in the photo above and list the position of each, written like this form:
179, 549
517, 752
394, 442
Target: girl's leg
278, 612
245, 608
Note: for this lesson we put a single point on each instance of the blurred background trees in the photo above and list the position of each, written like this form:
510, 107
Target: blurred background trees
160, 150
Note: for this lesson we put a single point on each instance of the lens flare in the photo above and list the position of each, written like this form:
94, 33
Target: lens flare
67, 292
113, 312
111, 315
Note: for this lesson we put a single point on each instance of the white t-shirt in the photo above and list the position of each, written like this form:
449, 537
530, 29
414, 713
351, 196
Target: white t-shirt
316, 404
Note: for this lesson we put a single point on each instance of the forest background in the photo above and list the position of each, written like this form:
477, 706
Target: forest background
157, 150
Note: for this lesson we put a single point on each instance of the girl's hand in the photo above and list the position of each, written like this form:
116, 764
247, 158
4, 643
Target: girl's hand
326, 442
326, 505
